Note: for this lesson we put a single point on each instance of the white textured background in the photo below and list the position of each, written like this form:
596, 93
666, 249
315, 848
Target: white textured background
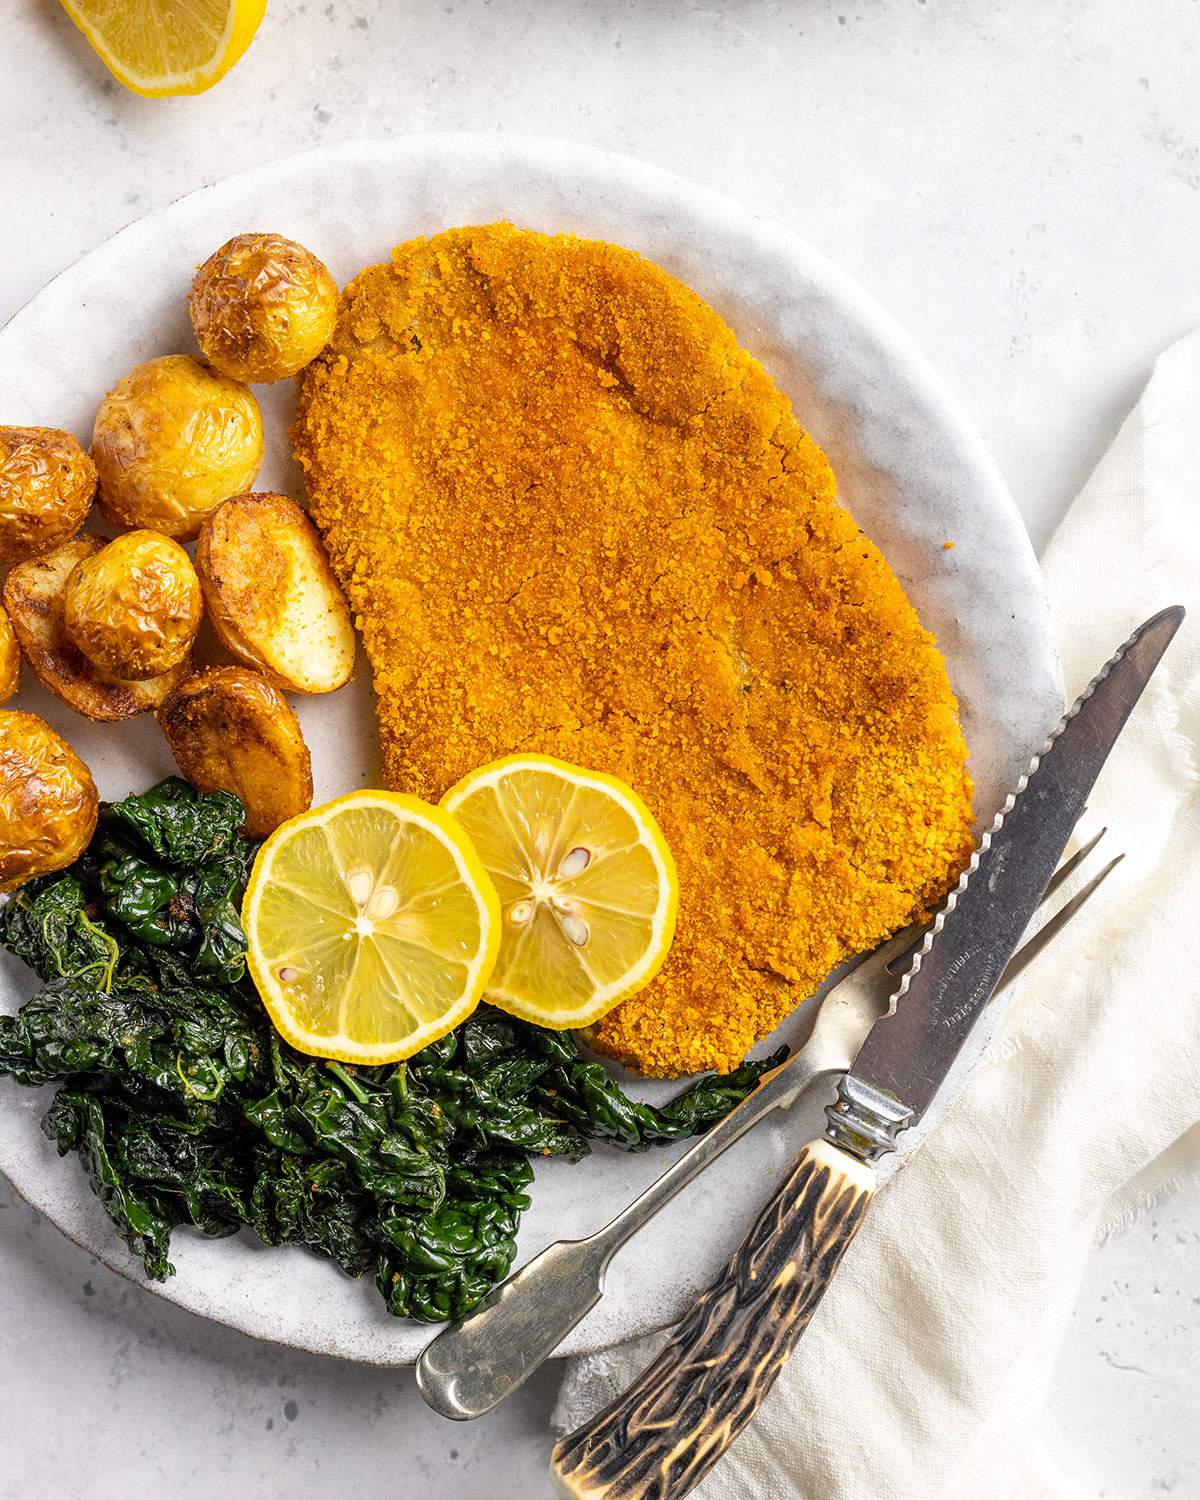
1017, 181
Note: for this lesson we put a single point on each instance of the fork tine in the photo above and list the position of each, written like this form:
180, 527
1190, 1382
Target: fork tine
898, 963
1050, 929
1069, 866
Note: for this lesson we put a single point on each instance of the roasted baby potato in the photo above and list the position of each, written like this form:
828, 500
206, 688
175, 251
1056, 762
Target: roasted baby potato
172, 440
46, 486
33, 597
48, 801
10, 658
134, 607
230, 730
272, 596
262, 307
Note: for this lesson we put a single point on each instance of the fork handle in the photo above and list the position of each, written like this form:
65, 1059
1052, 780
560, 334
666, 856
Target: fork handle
664, 1434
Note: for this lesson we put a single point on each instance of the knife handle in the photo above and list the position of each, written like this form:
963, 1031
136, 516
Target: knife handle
672, 1425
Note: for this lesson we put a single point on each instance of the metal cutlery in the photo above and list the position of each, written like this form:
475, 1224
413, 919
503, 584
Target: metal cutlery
485, 1356
666, 1432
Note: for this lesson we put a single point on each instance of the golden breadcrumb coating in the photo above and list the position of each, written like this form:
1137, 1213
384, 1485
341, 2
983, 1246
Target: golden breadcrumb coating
573, 516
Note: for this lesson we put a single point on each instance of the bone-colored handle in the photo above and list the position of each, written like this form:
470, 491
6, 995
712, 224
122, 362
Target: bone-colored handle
664, 1434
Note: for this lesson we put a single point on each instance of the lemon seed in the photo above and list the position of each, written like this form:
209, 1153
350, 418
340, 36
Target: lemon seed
576, 929
384, 901
575, 863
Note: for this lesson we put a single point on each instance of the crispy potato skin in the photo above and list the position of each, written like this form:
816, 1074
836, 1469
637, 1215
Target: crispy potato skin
46, 486
262, 307
48, 800
172, 440
33, 597
231, 730
272, 596
10, 658
134, 607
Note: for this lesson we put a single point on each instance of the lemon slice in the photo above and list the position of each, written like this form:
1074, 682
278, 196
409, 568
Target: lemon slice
158, 47
586, 882
371, 926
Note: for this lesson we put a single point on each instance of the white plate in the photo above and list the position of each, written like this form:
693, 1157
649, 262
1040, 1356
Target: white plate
911, 467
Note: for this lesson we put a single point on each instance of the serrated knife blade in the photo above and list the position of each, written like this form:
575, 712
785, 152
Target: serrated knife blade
908, 1053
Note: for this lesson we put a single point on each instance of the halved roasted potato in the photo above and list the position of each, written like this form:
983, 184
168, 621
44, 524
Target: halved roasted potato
272, 596
231, 730
33, 597
10, 658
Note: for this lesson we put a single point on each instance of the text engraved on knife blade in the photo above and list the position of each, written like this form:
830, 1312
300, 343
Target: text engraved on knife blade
977, 996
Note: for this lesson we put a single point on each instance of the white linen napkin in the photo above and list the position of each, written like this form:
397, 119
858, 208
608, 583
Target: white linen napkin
945, 1319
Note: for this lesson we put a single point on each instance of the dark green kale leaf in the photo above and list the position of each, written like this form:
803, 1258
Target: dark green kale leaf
441, 1264
483, 1119
152, 903
53, 925
192, 912
170, 867
182, 1050
78, 1121
585, 1095
333, 1115
178, 825
220, 883
312, 1203
204, 1182
68, 1030
484, 1084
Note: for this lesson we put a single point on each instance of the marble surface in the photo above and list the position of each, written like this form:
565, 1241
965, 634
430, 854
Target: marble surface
1018, 183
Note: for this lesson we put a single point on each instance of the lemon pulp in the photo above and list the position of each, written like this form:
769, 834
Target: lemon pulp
587, 886
371, 926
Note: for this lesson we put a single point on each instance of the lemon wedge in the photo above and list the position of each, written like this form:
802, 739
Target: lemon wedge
587, 886
371, 927
161, 47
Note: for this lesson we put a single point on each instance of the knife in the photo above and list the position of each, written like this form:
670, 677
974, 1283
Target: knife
666, 1432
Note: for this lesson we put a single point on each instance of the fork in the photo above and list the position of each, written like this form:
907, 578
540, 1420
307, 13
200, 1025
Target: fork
486, 1355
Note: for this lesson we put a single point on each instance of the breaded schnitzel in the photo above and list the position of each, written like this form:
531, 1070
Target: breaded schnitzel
574, 516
